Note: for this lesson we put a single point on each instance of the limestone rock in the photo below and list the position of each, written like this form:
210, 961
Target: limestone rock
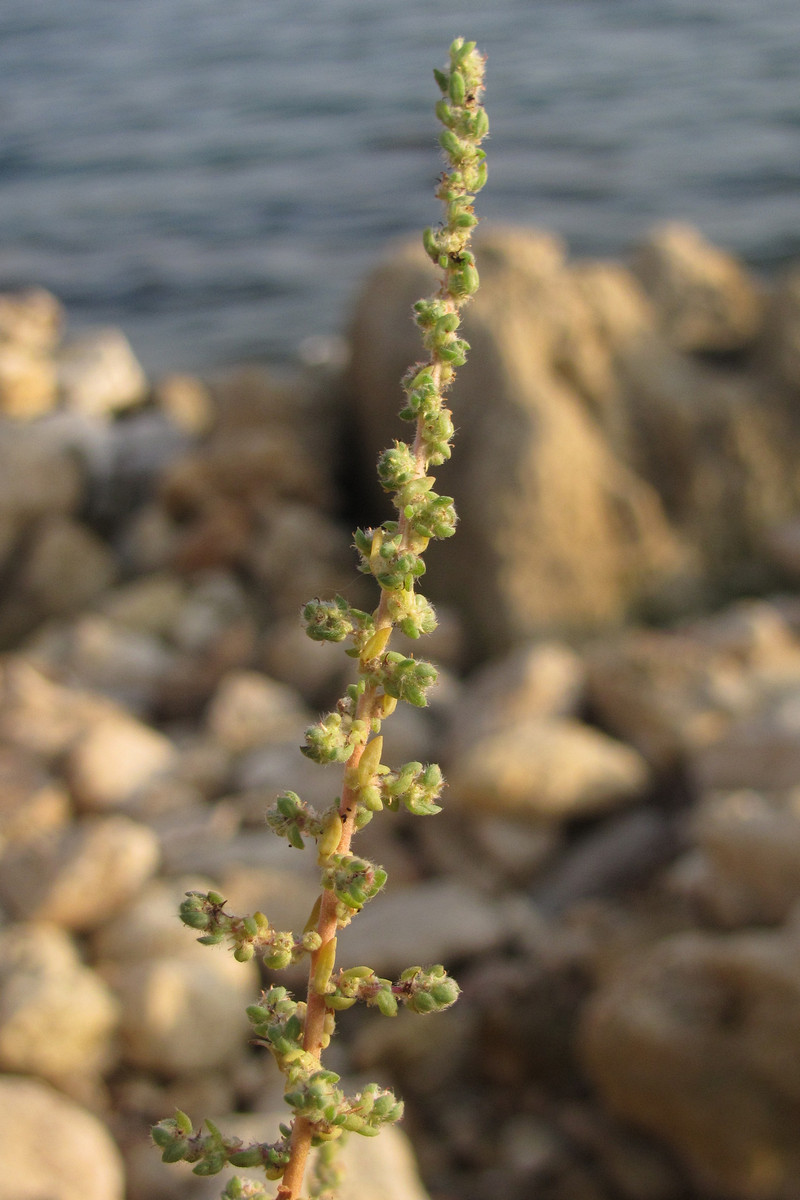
759, 750
689, 1040
31, 319
184, 1015
535, 679
679, 693
752, 842
27, 384
438, 921
186, 401
38, 477
782, 330
702, 297
51, 1147
546, 769
56, 1016
126, 664
65, 566
41, 715
114, 759
248, 710
79, 878
99, 374
31, 802
584, 540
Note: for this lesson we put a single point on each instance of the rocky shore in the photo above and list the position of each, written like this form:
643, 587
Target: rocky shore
615, 878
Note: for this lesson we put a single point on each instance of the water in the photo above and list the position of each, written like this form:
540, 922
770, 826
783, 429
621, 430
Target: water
216, 176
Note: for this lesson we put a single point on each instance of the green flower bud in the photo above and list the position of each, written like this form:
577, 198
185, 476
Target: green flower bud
175, 1151
456, 88
441, 79
244, 953
250, 1156
430, 244
386, 1002
212, 1164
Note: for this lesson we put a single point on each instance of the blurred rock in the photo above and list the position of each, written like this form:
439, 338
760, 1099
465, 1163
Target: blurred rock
65, 566
689, 1041
99, 375
759, 750
28, 385
673, 694
114, 759
187, 402
315, 669
57, 1017
752, 842
50, 1147
184, 1015
250, 710
434, 922
703, 299
127, 665
31, 802
537, 679
79, 878
32, 319
547, 769
41, 715
782, 330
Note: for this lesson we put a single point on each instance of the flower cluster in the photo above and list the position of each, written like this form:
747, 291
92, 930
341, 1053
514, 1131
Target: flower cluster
295, 1033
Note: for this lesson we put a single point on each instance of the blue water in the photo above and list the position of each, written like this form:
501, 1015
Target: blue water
215, 176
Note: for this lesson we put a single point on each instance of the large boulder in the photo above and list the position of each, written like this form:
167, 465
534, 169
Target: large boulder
567, 536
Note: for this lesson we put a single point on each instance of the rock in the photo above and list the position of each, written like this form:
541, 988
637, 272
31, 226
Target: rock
149, 604
622, 853
38, 477
184, 1015
752, 842
187, 402
432, 922
65, 566
674, 694
27, 384
41, 715
584, 540
125, 664
99, 374
114, 759
150, 927
782, 330
299, 553
31, 803
759, 750
703, 298
689, 1041
50, 1147
56, 1016
264, 772
517, 852
535, 679
79, 878
547, 769
31, 319
315, 669
249, 710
